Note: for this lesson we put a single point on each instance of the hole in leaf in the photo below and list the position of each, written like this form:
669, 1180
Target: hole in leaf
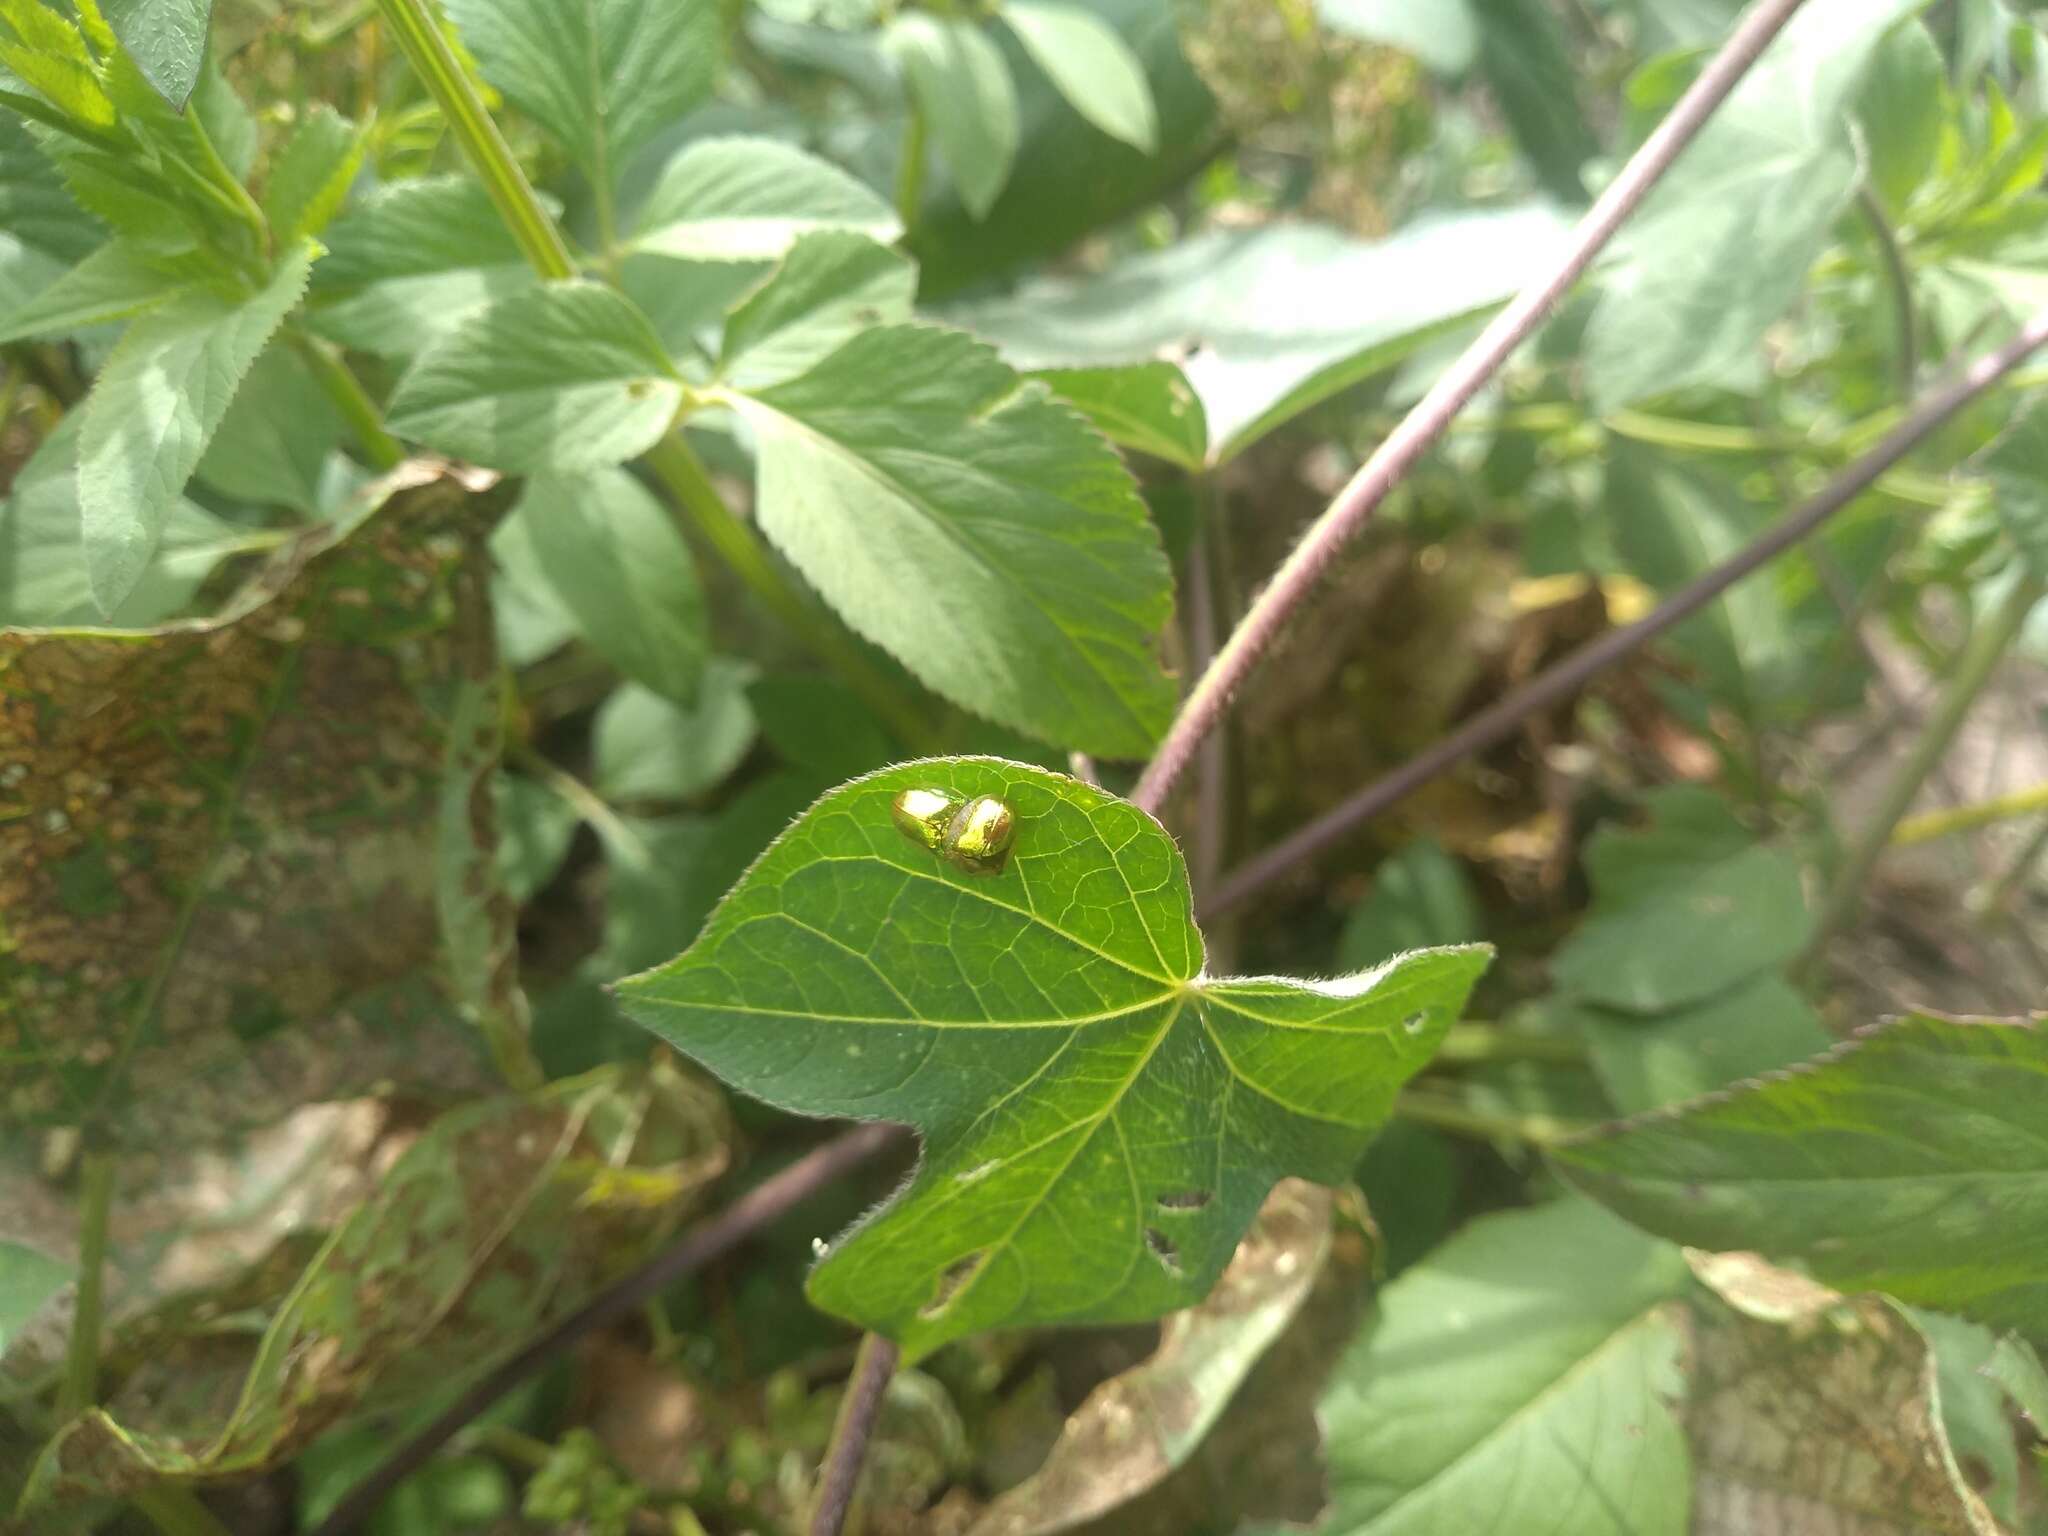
1184, 1199
951, 1283
1164, 1250
1414, 1022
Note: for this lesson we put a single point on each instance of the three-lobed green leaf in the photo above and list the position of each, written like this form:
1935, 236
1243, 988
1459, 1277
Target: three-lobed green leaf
1101, 1118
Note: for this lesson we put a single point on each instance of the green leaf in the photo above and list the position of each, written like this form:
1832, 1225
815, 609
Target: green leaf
1902, 111
966, 523
611, 555
1420, 897
818, 724
1973, 1408
42, 230
114, 282
1101, 1120
1724, 242
27, 1280
412, 260
1531, 1363
960, 83
646, 747
2021, 1376
602, 76
565, 377
1090, 64
45, 51
535, 826
312, 173
829, 288
165, 38
1142, 1423
1524, 57
2016, 464
275, 443
751, 199
1269, 318
1685, 908
154, 408
1754, 1027
1908, 1160
1147, 406
42, 561
1445, 35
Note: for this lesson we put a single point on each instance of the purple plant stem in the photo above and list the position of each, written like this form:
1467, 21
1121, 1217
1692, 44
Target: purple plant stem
1501, 719
1419, 430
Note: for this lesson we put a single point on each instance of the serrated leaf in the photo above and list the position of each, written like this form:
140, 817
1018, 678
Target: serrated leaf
1756, 1026
162, 943
1090, 64
751, 199
28, 1279
565, 377
1101, 1119
1445, 35
611, 555
964, 89
42, 562
1684, 908
1530, 1363
312, 173
1724, 241
45, 51
973, 528
829, 288
42, 230
648, 748
154, 408
1267, 319
602, 76
1908, 1160
1147, 406
114, 282
165, 38
275, 443
1141, 1424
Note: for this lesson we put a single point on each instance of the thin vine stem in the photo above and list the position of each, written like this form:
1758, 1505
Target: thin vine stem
80, 1387
1506, 715
1404, 447
1900, 278
1986, 648
1967, 818
854, 1426
769, 1200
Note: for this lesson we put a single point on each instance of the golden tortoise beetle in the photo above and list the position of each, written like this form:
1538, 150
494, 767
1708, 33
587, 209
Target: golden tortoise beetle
973, 834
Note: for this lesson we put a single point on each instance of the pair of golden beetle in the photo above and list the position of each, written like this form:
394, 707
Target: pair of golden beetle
973, 834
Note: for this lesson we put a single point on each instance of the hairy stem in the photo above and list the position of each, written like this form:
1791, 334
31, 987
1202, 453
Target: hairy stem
765, 1203
381, 451
427, 51
839, 1479
80, 1387
1419, 430
689, 486
1504, 717
1987, 646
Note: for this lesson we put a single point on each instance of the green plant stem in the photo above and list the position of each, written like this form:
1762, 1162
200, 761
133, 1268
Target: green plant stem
910, 169
683, 476
1900, 277
381, 451
589, 805
177, 1512
1974, 668
1447, 1114
1965, 818
427, 51
1473, 1043
80, 1388
839, 1479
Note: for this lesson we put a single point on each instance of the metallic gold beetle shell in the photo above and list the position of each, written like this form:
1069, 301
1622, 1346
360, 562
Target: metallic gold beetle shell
971, 834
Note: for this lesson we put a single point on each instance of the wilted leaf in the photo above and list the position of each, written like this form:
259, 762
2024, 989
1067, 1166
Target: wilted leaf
1102, 1120
219, 830
1530, 1363
1908, 1160
500, 1216
1140, 1425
